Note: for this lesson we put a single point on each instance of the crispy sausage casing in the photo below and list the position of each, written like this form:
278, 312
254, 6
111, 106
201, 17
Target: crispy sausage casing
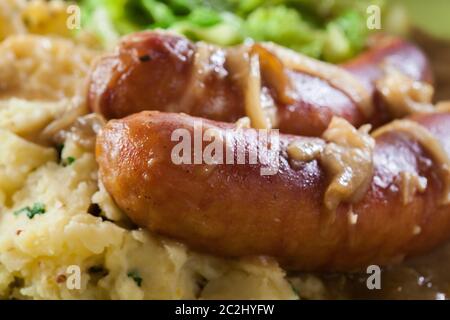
156, 71
232, 210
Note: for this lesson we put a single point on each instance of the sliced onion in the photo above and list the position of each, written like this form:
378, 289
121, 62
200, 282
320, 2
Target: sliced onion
51, 133
336, 76
200, 70
273, 72
428, 142
404, 96
253, 105
245, 68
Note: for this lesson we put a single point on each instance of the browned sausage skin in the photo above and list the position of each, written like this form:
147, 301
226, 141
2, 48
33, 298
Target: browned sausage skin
154, 71
232, 210
151, 71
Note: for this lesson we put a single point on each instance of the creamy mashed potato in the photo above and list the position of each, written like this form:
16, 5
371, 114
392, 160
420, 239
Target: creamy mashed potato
55, 217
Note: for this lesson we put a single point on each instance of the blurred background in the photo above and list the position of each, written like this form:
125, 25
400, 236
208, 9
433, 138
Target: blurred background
432, 16
430, 28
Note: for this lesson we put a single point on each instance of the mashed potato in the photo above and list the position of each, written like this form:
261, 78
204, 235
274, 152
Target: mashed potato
42, 68
61, 235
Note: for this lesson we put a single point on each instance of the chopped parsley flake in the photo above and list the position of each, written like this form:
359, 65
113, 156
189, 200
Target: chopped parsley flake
68, 161
37, 208
136, 277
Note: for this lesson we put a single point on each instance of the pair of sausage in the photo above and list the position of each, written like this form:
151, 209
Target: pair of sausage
233, 210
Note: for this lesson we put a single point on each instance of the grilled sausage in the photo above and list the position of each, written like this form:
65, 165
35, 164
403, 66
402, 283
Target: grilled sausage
158, 71
234, 211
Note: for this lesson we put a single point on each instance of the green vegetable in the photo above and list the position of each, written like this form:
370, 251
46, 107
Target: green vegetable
329, 30
159, 12
227, 32
337, 46
282, 25
37, 208
136, 277
204, 17
353, 26
68, 161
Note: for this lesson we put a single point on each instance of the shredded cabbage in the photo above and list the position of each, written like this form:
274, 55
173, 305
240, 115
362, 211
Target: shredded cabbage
329, 30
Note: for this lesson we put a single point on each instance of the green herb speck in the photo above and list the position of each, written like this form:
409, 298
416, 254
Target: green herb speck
37, 208
136, 277
68, 161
